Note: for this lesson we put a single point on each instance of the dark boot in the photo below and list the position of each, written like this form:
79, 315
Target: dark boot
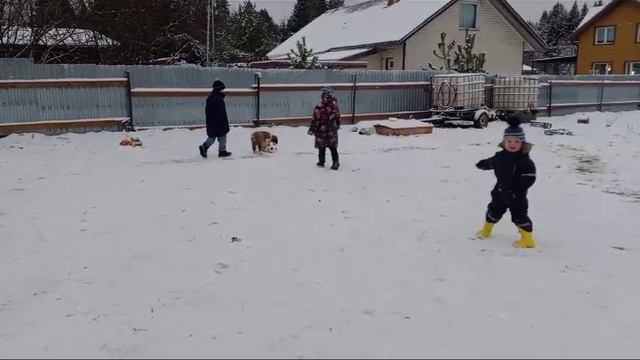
223, 154
203, 151
321, 157
334, 158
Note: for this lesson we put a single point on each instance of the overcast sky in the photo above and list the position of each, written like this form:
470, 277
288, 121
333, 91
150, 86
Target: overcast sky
528, 9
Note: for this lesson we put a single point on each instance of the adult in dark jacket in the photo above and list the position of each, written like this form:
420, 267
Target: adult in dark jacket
515, 173
217, 121
325, 126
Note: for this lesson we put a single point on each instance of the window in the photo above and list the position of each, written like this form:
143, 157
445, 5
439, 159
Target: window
601, 68
638, 33
468, 15
605, 35
633, 68
388, 63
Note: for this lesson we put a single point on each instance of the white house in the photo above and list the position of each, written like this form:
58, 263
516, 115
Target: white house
402, 34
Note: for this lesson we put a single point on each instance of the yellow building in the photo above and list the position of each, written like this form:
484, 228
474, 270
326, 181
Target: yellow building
608, 39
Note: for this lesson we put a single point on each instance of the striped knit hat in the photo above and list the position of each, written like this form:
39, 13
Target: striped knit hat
327, 92
514, 128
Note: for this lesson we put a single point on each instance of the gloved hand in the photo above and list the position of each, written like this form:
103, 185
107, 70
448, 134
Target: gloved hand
310, 132
483, 165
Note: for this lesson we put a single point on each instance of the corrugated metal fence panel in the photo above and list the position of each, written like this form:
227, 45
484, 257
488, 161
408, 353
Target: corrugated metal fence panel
172, 111
188, 76
40, 104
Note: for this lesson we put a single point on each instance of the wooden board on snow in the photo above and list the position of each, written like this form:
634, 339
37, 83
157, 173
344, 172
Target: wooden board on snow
402, 127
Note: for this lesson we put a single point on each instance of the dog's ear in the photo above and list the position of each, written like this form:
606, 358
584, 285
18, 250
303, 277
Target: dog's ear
274, 139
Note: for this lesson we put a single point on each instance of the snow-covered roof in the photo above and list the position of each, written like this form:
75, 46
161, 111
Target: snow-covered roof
375, 23
592, 13
341, 55
56, 37
371, 22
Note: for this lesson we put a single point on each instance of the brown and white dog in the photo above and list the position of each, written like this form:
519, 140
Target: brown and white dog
262, 140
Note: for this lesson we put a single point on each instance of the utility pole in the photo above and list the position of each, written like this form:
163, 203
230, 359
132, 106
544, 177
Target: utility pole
213, 27
208, 24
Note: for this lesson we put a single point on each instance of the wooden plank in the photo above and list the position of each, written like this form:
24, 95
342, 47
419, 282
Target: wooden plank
36, 126
187, 92
405, 131
62, 83
345, 86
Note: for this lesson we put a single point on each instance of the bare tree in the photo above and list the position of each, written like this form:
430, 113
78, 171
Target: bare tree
46, 30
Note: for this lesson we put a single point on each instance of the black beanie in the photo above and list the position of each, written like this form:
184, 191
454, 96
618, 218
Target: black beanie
218, 85
514, 128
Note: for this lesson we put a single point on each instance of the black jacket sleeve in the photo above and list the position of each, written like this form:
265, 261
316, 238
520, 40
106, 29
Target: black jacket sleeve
485, 164
527, 174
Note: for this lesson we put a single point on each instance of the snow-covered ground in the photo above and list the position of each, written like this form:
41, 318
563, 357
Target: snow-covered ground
111, 251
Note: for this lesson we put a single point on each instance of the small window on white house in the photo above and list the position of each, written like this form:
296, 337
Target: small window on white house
468, 16
601, 68
605, 35
633, 68
389, 63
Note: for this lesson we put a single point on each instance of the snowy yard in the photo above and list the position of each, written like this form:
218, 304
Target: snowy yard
111, 251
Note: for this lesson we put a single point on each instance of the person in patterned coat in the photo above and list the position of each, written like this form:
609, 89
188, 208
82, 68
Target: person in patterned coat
325, 126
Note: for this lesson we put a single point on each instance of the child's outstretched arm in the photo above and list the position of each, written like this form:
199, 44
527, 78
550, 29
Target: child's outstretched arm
485, 164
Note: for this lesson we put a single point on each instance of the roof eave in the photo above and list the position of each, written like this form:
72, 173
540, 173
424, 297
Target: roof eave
427, 21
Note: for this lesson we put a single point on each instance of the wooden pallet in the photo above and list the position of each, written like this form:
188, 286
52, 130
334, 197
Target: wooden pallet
403, 128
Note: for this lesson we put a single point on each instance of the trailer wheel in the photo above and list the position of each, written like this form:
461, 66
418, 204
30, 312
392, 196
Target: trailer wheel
482, 122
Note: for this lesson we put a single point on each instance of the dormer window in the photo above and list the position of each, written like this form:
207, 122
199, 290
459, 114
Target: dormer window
468, 15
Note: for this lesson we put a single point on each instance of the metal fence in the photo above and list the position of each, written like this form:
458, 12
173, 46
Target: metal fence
175, 95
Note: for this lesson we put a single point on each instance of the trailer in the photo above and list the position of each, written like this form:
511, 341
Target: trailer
460, 99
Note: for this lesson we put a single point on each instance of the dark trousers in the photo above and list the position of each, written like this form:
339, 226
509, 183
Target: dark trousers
518, 207
322, 154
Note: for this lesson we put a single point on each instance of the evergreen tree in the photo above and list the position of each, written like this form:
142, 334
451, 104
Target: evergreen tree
303, 57
574, 17
543, 26
334, 4
584, 11
283, 32
465, 60
559, 28
304, 12
252, 33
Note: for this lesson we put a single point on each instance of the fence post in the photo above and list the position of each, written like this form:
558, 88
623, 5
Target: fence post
550, 106
256, 122
601, 96
129, 100
353, 100
429, 92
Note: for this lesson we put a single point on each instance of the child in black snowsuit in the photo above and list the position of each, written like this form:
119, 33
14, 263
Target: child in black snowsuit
516, 173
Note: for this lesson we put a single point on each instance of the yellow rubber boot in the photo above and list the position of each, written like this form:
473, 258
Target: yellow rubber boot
485, 232
526, 240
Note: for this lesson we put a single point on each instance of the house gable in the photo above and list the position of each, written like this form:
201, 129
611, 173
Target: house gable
495, 36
